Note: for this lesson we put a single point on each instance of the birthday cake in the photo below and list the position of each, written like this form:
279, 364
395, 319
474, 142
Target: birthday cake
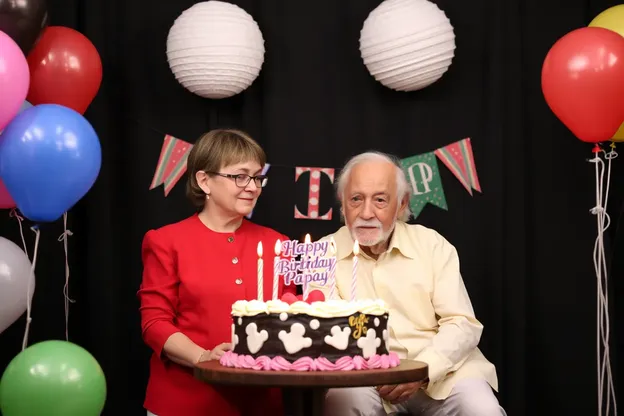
318, 336
307, 333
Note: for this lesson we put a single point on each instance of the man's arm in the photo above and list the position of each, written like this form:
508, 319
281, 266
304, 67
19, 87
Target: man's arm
459, 331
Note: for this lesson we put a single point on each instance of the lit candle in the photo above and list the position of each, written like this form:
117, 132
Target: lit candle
278, 250
332, 269
356, 251
260, 271
306, 288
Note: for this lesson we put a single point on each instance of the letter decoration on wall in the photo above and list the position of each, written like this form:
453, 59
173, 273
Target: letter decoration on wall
314, 193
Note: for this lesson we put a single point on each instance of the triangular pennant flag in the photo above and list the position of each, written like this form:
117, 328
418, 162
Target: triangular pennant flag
459, 159
452, 156
423, 175
471, 168
171, 163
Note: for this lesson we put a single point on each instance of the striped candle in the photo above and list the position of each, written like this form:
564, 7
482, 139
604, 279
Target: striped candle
356, 252
260, 272
306, 285
278, 250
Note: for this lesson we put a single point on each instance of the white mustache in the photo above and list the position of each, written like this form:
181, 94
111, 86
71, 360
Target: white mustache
371, 223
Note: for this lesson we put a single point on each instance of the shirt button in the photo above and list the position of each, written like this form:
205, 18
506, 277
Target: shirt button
230, 239
239, 281
235, 260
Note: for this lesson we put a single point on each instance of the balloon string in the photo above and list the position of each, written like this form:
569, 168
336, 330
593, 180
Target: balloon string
602, 302
31, 287
68, 300
20, 219
609, 156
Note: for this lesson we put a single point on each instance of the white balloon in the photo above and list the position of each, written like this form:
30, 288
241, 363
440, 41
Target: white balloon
407, 45
215, 49
15, 272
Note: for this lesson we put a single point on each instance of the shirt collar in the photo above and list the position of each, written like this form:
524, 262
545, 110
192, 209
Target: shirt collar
399, 241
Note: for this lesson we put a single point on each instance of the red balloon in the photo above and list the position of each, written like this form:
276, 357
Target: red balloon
65, 69
6, 201
583, 82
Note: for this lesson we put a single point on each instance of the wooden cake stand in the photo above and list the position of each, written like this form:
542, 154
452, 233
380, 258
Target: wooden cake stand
304, 391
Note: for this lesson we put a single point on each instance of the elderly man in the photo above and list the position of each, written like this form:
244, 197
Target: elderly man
416, 272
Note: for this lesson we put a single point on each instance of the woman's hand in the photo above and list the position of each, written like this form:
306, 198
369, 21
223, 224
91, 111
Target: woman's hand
216, 353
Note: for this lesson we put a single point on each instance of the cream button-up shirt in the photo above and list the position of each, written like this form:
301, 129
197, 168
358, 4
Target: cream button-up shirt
431, 318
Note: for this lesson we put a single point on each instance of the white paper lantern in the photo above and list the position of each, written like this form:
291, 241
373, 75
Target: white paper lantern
407, 45
215, 49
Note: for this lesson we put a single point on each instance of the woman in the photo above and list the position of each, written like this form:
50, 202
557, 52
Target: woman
194, 270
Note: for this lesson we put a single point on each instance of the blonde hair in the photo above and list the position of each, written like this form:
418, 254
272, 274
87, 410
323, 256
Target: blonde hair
215, 150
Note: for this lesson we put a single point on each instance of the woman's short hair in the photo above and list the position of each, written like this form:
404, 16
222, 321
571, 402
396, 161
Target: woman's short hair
214, 151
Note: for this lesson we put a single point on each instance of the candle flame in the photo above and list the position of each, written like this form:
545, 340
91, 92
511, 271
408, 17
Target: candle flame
307, 239
259, 248
356, 248
278, 247
332, 245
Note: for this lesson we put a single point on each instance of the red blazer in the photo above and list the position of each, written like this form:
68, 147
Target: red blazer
192, 276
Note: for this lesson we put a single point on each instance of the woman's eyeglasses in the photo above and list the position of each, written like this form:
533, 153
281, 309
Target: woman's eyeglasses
242, 179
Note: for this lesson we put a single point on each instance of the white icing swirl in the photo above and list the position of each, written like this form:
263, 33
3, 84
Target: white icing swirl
328, 309
277, 306
248, 308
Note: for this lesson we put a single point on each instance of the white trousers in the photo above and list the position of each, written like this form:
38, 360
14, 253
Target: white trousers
470, 397
150, 413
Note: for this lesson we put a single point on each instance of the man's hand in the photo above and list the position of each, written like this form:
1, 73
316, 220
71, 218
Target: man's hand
216, 353
398, 393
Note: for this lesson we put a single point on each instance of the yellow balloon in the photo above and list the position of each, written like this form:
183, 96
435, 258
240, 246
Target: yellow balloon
619, 135
612, 19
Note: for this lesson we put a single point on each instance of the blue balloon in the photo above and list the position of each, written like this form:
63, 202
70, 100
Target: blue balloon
50, 156
25, 105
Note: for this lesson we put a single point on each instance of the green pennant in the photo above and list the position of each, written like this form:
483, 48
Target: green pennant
425, 183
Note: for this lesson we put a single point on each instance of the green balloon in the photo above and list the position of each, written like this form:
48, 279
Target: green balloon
53, 378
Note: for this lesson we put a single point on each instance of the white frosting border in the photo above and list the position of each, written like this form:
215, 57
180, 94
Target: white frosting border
327, 309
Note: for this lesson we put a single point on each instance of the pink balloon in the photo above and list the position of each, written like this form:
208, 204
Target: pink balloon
14, 79
6, 202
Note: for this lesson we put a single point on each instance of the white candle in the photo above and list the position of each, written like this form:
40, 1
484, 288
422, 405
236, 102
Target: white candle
356, 251
306, 287
332, 269
260, 272
278, 250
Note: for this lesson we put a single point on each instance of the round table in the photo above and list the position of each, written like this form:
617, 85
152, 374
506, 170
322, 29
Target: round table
304, 391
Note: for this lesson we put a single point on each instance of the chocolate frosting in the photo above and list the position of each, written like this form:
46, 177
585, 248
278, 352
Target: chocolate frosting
358, 323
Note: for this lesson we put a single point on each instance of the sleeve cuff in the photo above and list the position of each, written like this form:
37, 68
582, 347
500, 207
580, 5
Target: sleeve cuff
438, 365
156, 335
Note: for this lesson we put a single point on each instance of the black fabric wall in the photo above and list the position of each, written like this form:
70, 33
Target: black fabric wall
525, 243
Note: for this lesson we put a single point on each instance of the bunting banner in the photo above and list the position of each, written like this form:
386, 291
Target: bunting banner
422, 173
459, 159
171, 163
423, 177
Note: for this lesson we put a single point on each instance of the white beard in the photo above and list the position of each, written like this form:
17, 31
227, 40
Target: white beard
367, 240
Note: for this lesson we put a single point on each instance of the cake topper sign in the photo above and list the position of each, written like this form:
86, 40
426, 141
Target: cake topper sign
314, 265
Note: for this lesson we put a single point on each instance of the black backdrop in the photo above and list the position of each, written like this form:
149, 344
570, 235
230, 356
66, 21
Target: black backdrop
525, 243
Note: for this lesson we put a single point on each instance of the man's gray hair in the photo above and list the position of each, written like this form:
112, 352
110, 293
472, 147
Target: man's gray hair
403, 189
